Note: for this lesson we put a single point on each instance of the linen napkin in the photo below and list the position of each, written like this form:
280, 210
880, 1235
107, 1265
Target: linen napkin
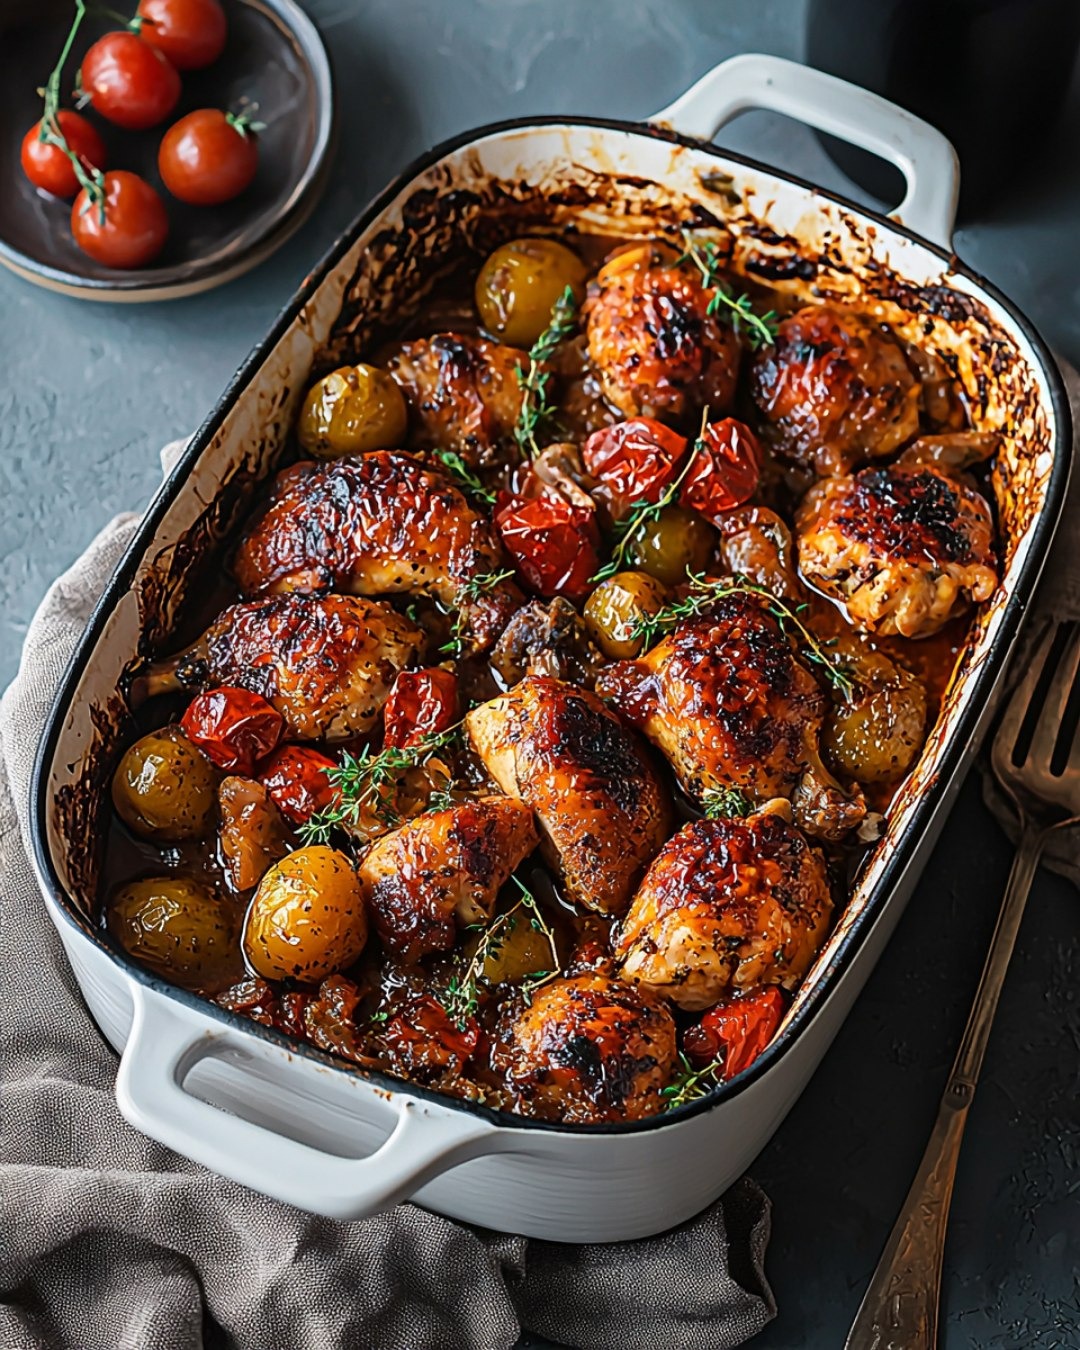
110, 1242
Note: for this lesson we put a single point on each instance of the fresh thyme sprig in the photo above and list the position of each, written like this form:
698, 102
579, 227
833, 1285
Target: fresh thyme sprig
49, 131
691, 1083
703, 594
461, 997
366, 781
725, 803
453, 462
643, 513
469, 594
760, 329
536, 411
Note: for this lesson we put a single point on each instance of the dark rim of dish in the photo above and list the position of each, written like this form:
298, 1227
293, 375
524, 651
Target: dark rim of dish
896, 864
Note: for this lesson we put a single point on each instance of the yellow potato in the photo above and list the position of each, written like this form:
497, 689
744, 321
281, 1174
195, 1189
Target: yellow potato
164, 788
351, 411
617, 606
179, 928
520, 282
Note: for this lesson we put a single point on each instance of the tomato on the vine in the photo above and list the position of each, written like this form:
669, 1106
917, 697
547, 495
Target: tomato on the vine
234, 728
191, 33
552, 541
208, 157
422, 703
634, 461
133, 228
296, 778
725, 472
48, 167
736, 1032
129, 82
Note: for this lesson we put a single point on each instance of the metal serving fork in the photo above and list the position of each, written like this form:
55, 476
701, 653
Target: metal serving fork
1036, 759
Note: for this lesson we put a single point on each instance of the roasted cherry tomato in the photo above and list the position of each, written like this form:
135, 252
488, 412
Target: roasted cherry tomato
191, 33
552, 541
130, 82
135, 224
295, 777
424, 1036
421, 703
725, 472
634, 461
208, 157
233, 727
48, 168
736, 1031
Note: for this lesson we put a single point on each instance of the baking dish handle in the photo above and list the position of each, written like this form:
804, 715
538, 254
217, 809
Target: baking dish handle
166, 1042
923, 155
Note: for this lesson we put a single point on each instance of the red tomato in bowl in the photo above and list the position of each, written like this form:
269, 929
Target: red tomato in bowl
48, 168
232, 727
129, 82
191, 33
634, 461
552, 541
208, 157
735, 1032
133, 228
725, 472
422, 703
296, 778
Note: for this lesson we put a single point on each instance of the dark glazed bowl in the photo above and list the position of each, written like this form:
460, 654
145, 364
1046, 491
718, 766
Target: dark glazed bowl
274, 57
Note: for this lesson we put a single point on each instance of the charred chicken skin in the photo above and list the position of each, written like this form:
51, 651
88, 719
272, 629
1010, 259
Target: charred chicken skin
902, 549
378, 524
835, 391
602, 811
652, 343
592, 1049
727, 905
731, 705
443, 870
463, 392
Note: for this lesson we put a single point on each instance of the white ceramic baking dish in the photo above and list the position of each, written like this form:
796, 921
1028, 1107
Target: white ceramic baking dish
284, 1118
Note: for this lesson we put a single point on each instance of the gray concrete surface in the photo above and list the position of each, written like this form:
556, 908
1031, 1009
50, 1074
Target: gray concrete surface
88, 393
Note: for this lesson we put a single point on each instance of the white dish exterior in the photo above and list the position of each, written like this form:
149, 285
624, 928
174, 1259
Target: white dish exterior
314, 1133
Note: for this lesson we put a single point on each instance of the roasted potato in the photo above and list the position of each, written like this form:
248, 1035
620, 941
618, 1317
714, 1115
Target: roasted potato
180, 929
351, 411
616, 608
676, 542
875, 735
164, 789
520, 282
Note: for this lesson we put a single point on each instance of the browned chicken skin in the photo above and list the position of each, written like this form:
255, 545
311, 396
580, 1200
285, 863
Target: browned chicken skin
443, 871
654, 347
463, 392
602, 810
378, 524
725, 906
903, 549
835, 391
591, 1049
730, 704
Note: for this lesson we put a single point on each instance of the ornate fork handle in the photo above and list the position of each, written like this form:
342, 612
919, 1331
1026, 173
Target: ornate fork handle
900, 1308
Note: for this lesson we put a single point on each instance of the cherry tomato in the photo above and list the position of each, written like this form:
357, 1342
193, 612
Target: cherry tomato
424, 1035
736, 1031
633, 460
191, 33
135, 226
295, 777
552, 541
48, 168
232, 727
130, 82
421, 703
725, 472
208, 157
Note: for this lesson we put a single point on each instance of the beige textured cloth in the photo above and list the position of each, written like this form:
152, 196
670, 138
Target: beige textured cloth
110, 1242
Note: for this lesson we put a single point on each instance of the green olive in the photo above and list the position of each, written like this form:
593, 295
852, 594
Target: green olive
520, 282
164, 788
874, 736
676, 542
179, 929
308, 918
351, 411
616, 608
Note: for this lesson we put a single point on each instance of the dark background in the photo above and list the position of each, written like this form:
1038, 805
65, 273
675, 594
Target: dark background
88, 394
